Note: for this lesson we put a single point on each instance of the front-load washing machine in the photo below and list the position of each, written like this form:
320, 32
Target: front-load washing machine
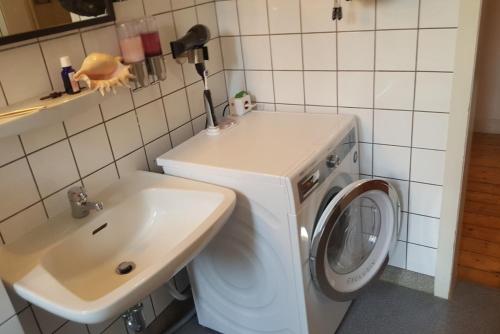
306, 236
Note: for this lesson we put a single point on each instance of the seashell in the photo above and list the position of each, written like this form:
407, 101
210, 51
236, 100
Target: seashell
104, 72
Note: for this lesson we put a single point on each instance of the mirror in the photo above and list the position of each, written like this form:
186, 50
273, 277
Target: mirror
25, 19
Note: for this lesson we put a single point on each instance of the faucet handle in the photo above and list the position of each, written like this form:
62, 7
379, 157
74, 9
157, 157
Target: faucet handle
77, 194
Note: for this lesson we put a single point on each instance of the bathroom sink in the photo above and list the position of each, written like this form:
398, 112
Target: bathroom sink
91, 269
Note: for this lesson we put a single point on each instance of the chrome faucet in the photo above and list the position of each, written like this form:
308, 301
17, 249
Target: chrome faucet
80, 206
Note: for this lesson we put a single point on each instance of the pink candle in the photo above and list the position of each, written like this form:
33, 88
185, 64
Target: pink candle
132, 50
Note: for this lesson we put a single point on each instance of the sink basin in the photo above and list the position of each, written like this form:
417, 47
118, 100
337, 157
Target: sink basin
152, 224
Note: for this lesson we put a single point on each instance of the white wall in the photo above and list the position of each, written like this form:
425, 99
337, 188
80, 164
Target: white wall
104, 142
389, 62
487, 98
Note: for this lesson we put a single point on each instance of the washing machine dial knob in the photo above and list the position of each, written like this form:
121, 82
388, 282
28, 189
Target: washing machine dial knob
332, 161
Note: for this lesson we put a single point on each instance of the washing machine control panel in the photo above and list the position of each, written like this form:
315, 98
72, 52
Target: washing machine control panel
316, 175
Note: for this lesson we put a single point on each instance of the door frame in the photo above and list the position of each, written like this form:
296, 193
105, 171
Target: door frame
460, 127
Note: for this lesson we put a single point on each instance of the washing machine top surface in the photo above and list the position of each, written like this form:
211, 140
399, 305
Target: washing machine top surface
270, 143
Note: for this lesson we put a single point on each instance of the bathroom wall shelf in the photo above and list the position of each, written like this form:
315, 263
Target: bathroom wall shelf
35, 113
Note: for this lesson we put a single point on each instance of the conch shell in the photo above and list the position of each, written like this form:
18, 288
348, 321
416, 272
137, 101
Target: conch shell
104, 72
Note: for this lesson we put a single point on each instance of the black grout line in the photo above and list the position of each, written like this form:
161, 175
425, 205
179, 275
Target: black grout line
34, 317
374, 86
33, 176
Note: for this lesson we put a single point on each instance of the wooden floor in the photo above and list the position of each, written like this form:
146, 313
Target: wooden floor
479, 259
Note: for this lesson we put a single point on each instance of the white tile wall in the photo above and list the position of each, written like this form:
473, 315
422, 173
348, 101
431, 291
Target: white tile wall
102, 143
389, 62
373, 63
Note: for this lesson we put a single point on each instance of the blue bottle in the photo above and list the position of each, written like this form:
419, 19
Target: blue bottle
71, 86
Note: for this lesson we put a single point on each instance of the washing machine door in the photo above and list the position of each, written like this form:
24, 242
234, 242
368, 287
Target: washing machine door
353, 236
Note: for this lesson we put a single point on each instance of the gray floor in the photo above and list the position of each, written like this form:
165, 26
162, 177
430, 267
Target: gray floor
390, 309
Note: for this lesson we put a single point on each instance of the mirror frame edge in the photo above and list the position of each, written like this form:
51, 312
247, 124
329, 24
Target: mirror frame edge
5, 40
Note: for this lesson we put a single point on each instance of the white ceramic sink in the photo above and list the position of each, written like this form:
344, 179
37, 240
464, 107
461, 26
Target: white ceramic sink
158, 222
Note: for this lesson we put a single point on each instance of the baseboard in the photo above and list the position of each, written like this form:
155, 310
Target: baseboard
408, 279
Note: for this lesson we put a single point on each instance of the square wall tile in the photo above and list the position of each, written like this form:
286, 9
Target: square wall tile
290, 107
235, 81
365, 158
396, 50
427, 166
95, 183
421, 259
152, 120
175, 79
357, 15
403, 190
208, 17
289, 87
253, 17
425, 199
195, 99
102, 40
232, 53
227, 17
184, 19
128, 10
132, 162
218, 84
124, 134
364, 117
260, 85
436, 49
320, 51
24, 322
58, 201
284, 16
392, 127
199, 124
166, 28
433, 92
398, 257
20, 224
177, 109
321, 88
10, 149
91, 149
397, 14
214, 64
146, 95
155, 149
403, 232
181, 134
16, 176
40, 137
394, 90
286, 52
317, 16
117, 104
356, 50
430, 130
54, 49
49, 322
355, 89
178, 4
6, 308
423, 230
256, 52
31, 77
391, 161
442, 13
315, 109
83, 120
152, 7
72, 328
54, 167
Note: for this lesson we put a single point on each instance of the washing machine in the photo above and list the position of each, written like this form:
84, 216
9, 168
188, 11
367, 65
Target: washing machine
307, 234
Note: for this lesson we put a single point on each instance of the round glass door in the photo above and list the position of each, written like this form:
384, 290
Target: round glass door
353, 236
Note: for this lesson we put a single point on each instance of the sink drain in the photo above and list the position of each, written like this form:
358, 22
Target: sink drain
125, 268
